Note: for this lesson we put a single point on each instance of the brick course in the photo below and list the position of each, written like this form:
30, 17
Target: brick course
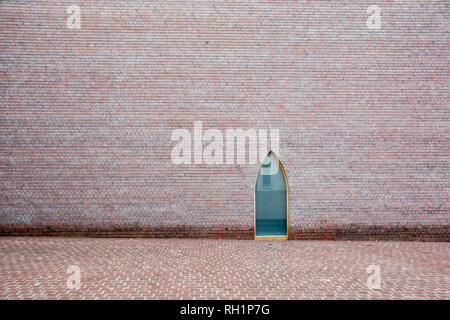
87, 116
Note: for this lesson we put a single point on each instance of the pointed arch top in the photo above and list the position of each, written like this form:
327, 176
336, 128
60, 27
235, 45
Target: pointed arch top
265, 162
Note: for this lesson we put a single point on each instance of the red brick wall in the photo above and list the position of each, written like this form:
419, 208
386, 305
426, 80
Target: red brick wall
87, 116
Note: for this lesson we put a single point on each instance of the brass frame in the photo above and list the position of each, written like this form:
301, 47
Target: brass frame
286, 237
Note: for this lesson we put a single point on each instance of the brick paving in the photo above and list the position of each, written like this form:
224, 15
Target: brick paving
36, 268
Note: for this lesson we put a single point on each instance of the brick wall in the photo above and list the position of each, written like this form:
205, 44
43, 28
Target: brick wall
87, 116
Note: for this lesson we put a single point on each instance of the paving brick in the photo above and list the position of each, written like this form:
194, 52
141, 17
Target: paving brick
36, 268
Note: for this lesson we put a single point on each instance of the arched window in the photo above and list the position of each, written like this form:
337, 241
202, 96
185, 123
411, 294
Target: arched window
271, 200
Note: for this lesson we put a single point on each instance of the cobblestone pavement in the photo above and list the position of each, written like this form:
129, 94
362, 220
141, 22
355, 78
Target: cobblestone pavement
37, 268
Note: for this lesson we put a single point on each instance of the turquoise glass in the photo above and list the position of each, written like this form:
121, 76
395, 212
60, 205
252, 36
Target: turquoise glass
271, 199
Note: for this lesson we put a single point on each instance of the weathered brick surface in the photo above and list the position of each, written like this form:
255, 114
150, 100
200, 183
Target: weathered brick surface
87, 116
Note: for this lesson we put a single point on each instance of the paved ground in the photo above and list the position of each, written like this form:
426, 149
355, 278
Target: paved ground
36, 268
